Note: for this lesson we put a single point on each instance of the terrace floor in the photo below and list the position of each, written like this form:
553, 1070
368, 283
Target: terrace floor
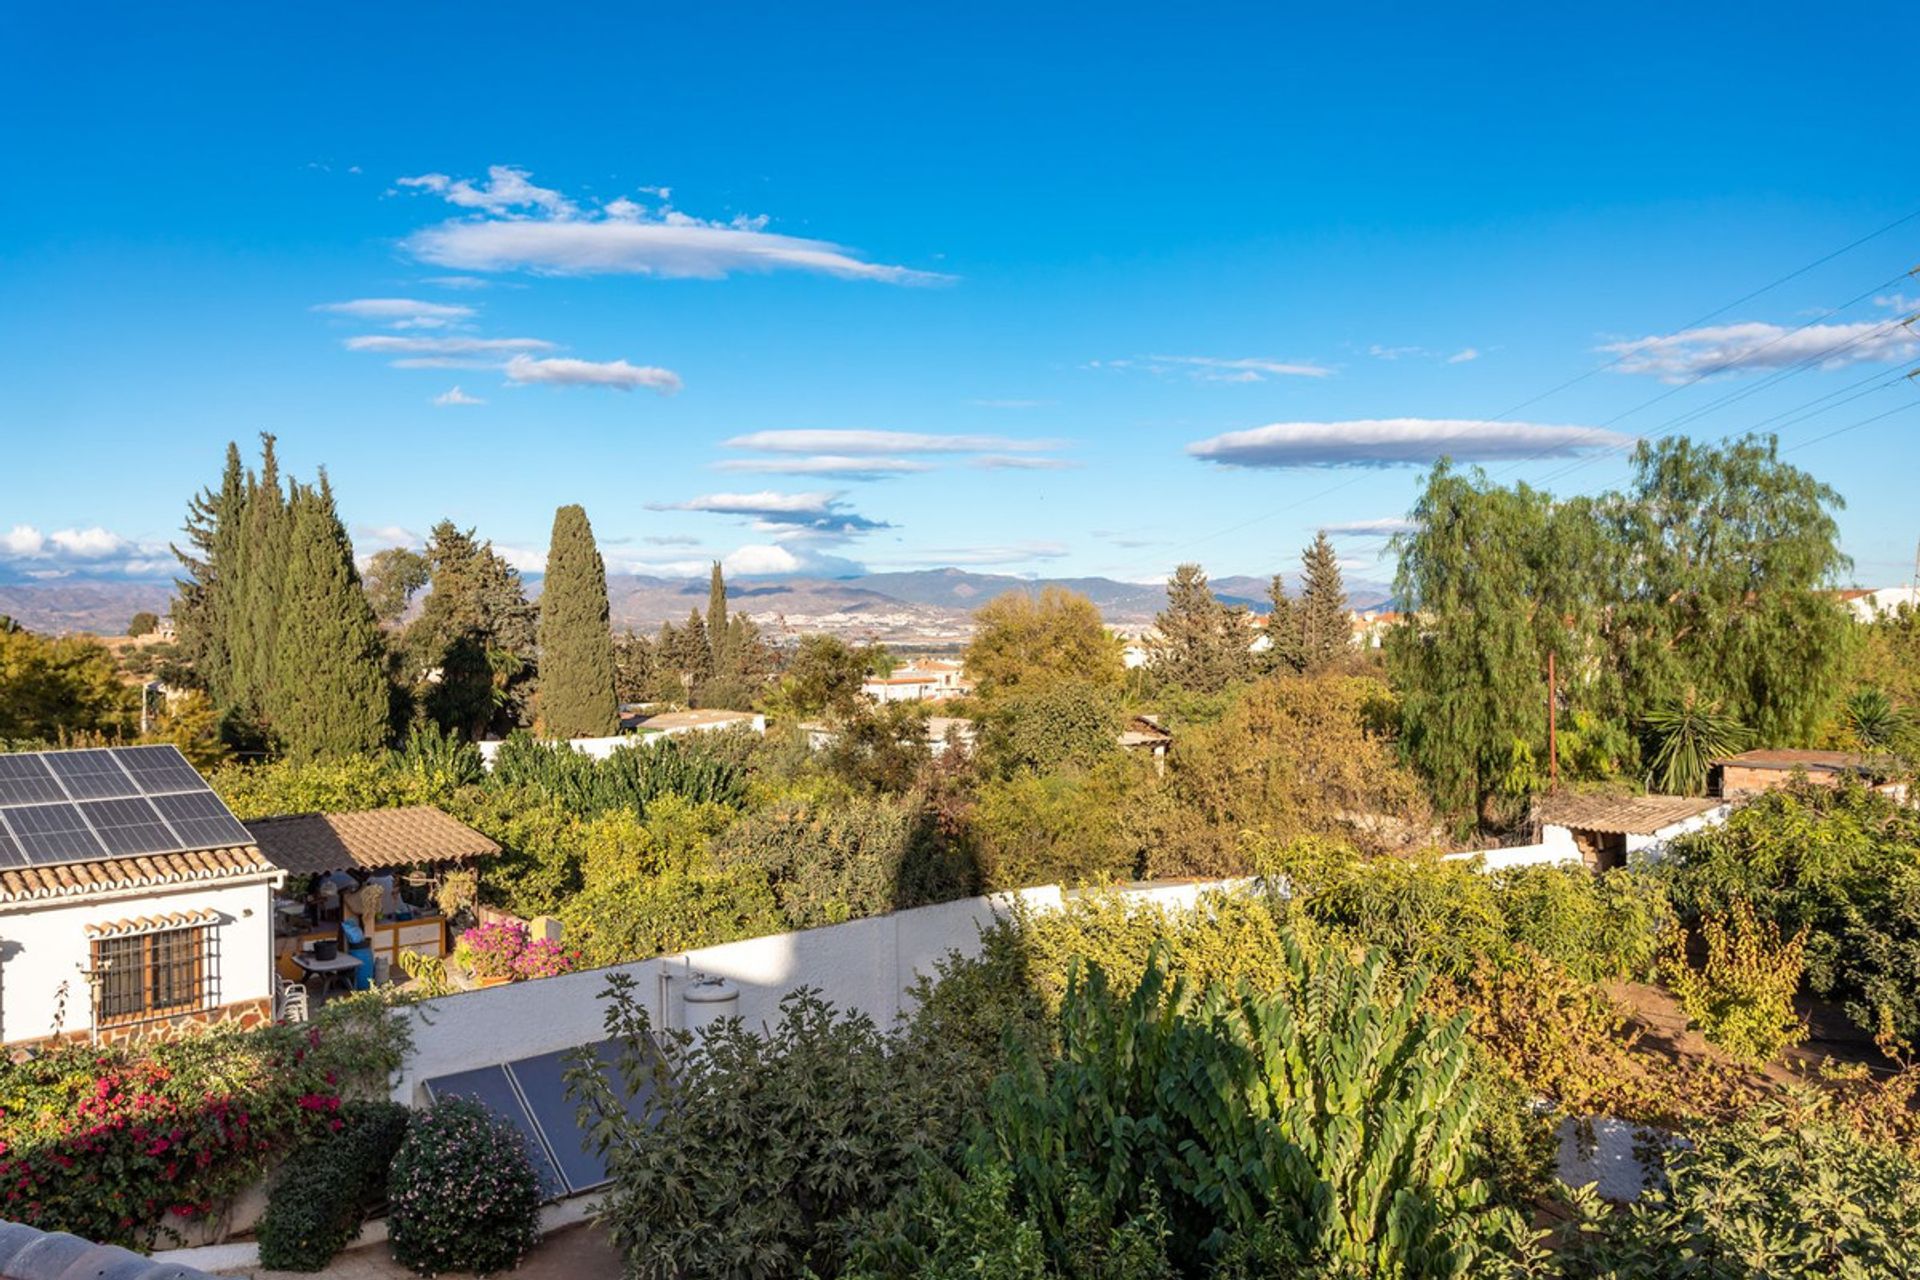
579, 1252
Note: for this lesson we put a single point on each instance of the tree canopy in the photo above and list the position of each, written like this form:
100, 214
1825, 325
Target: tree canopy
576, 697
1024, 639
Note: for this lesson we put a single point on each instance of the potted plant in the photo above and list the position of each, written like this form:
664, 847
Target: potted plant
488, 951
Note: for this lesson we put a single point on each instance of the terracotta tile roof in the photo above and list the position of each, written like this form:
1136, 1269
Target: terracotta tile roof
1622, 815
157, 870
1812, 761
152, 924
374, 839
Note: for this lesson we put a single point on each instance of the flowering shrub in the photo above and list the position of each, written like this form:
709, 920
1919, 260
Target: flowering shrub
105, 1141
503, 950
544, 958
463, 1195
489, 950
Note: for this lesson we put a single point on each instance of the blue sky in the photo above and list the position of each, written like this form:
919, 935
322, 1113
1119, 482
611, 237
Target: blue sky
1092, 290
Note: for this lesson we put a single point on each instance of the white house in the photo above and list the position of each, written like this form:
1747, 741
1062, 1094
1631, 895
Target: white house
1873, 602
130, 899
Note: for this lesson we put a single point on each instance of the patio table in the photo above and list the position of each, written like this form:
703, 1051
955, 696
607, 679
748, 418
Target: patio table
337, 970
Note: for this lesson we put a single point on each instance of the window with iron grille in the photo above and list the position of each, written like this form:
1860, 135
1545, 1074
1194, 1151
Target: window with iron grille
152, 975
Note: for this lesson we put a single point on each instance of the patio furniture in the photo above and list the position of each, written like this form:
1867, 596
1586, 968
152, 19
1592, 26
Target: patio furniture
339, 970
292, 1002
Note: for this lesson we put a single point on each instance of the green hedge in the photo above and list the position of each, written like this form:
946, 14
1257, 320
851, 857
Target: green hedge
329, 1187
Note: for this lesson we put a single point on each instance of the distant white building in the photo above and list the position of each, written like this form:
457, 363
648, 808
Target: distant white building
929, 680
1869, 603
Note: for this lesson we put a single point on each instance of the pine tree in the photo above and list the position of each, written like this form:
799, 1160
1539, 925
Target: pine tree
476, 630
1325, 631
577, 698
327, 694
695, 656
719, 636
1203, 645
1286, 645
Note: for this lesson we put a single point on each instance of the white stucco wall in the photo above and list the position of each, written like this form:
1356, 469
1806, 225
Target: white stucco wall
1654, 847
863, 965
44, 947
1556, 848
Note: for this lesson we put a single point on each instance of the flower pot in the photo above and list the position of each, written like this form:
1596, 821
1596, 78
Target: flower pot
491, 982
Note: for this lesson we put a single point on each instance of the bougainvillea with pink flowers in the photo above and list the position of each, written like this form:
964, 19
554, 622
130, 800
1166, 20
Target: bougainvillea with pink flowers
503, 949
104, 1142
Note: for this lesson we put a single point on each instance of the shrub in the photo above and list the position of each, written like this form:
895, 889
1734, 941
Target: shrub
1325, 1125
760, 1154
104, 1141
490, 950
329, 1186
1742, 998
462, 1195
1783, 1192
544, 958
1072, 828
827, 863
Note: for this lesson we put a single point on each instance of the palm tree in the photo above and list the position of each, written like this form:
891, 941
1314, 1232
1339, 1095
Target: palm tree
1876, 723
1690, 734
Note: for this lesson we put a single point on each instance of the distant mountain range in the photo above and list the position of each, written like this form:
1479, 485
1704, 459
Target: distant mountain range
928, 605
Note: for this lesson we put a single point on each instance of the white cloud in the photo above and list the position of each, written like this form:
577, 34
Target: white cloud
670, 540
455, 396
1728, 347
752, 560
91, 552
1384, 527
1379, 352
1463, 355
379, 537
400, 313
524, 227
506, 190
1222, 368
525, 559
617, 374
1393, 442
837, 466
457, 282
882, 442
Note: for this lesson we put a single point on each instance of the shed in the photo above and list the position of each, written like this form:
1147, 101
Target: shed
1752, 772
1607, 828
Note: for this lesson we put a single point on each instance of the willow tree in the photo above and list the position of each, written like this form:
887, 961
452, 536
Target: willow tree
576, 698
1496, 579
1727, 587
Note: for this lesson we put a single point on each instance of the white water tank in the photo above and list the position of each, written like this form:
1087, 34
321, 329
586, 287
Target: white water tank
705, 1001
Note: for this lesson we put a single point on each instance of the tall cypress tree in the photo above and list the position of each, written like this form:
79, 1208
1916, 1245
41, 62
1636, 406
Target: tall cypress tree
327, 693
256, 625
1325, 631
577, 698
207, 597
718, 636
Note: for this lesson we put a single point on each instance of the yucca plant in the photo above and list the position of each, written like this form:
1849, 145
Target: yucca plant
1688, 734
1875, 722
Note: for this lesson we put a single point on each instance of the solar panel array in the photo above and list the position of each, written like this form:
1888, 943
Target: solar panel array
531, 1096
107, 802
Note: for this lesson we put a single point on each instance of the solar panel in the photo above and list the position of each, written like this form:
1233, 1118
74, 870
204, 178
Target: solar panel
159, 770
201, 820
107, 802
91, 775
128, 827
27, 780
51, 833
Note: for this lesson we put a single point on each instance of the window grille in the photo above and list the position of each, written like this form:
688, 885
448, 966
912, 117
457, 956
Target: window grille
153, 975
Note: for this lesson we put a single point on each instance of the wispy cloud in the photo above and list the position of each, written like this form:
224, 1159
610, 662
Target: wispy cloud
836, 466
443, 348
453, 396
1220, 368
616, 374
519, 226
1379, 352
1397, 442
457, 282
400, 313
671, 540
1463, 355
1729, 348
819, 515
993, 554
882, 442
1021, 462
1384, 527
